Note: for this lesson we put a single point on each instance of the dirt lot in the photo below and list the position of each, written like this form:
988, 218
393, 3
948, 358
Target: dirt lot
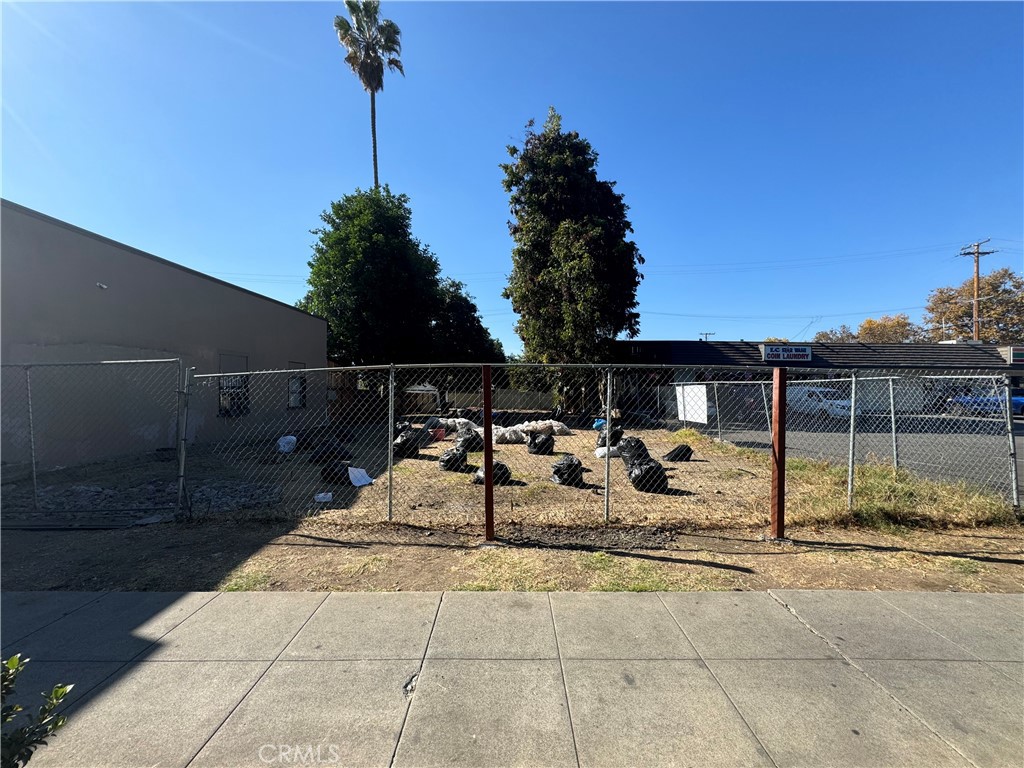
319, 554
707, 532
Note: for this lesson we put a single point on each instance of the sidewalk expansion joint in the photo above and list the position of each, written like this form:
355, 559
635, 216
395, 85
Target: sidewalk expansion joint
718, 682
874, 682
410, 685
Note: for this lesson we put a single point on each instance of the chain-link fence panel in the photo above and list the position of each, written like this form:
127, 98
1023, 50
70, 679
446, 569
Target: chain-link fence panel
438, 445
955, 428
874, 444
543, 432
695, 446
93, 438
290, 443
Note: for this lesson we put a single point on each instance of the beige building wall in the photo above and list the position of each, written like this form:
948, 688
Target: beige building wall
68, 295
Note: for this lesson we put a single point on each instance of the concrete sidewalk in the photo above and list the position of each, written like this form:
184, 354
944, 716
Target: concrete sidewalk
783, 678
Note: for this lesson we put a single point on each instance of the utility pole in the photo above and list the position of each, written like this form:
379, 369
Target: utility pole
705, 334
974, 249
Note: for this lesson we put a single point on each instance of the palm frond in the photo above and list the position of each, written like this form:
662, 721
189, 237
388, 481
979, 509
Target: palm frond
390, 38
394, 64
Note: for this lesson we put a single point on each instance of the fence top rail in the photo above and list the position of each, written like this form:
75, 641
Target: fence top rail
295, 371
89, 362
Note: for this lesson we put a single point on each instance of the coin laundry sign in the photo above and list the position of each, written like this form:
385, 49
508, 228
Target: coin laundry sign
778, 353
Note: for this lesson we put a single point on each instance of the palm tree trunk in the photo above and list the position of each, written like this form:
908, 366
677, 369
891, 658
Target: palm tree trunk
373, 130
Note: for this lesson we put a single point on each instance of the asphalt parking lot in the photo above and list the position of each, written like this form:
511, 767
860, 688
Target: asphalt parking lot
939, 447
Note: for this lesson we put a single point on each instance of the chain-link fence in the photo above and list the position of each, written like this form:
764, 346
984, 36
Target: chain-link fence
90, 437
572, 445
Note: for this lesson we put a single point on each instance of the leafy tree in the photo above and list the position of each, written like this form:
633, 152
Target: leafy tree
379, 289
574, 272
775, 340
889, 329
949, 313
374, 283
372, 44
835, 335
459, 334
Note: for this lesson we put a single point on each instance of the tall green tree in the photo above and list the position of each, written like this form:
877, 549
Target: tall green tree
372, 44
374, 283
459, 333
379, 288
574, 270
949, 313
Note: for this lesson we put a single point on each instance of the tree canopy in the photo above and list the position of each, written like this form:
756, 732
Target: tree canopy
380, 290
949, 313
574, 272
834, 335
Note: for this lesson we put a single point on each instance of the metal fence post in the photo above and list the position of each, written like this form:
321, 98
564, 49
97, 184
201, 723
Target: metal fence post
488, 457
391, 440
608, 446
1014, 490
32, 439
767, 408
185, 382
892, 419
853, 441
718, 413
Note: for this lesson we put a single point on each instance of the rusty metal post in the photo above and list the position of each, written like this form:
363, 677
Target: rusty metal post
778, 514
488, 459
391, 441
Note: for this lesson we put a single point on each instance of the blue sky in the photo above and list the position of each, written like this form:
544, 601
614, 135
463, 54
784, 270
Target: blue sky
788, 166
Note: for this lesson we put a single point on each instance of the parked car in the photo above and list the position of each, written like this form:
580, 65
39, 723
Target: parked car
987, 404
826, 402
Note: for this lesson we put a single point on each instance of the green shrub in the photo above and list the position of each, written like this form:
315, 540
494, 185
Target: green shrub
17, 744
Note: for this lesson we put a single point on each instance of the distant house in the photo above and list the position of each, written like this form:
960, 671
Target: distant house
917, 357
730, 369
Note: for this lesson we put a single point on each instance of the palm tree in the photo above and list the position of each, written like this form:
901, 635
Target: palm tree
371, 44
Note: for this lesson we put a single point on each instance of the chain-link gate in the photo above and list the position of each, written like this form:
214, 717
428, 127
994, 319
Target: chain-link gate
90, 437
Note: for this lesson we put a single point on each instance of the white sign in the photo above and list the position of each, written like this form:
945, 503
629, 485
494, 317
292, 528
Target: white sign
692, 401
784, 353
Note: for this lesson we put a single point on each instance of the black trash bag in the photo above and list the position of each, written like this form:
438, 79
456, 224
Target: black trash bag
568, 470
540, 444
680, 453
330, 450
502, 474
470, 442
648, 476
602, 437
335, 472
408, 443
633, 451
402, 426
453, 460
